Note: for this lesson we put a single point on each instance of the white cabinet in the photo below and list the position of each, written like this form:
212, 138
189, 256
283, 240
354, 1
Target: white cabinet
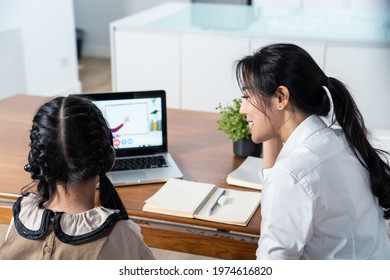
208, 75
189, 67
192, 56
316, 49
147, 61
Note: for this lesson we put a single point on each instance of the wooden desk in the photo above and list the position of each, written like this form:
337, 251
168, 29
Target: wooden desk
202, 152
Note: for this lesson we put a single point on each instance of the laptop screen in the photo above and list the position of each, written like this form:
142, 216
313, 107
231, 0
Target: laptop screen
137, 120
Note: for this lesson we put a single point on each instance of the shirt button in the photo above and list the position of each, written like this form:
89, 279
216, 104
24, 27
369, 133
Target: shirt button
46, 249
51, 227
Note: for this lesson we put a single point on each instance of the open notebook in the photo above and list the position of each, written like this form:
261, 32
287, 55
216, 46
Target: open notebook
194, 200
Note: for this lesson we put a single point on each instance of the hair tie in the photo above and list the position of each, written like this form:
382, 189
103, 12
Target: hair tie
331, 103
325, 82
327, 92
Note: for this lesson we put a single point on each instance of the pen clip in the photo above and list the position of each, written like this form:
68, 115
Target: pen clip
220, 200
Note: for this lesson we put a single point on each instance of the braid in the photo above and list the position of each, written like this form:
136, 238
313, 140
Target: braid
108, 195
101, 140
102, 146
44, 150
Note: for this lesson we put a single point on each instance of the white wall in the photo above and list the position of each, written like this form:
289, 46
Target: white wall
94, 17
37, 48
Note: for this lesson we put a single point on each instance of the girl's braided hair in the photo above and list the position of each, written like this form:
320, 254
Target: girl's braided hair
71, 142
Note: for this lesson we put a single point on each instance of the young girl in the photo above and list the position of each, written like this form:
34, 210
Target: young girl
326, 190
70, 153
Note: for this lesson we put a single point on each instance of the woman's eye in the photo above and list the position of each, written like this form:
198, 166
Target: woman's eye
244, 96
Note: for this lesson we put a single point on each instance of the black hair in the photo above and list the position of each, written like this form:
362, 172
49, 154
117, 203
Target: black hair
291, 66
71, 142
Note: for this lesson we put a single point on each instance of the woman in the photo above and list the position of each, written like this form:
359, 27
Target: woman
326, 190
70, 153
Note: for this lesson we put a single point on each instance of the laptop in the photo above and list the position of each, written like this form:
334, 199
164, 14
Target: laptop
138, 122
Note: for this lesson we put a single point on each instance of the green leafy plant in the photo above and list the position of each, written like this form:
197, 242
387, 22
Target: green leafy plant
232, 122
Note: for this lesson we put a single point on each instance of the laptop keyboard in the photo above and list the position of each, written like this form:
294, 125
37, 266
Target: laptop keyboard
139, 163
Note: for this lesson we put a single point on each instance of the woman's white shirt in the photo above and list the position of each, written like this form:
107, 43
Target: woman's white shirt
317, 203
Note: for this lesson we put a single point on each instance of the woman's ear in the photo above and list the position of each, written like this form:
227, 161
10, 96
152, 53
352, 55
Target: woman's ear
282, 95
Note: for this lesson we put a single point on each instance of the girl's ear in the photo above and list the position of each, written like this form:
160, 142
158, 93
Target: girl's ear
282, 95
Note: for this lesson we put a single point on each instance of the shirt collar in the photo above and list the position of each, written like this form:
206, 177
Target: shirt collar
305, 129
32, 221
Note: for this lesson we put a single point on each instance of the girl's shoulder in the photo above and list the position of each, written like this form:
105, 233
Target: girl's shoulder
127, 227
126, 242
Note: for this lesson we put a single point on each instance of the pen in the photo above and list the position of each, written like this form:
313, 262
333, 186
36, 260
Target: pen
216, 202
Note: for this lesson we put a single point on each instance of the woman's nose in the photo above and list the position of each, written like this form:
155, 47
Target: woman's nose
242, 109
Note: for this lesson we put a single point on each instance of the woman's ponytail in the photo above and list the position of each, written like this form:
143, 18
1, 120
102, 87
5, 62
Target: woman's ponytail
348, 116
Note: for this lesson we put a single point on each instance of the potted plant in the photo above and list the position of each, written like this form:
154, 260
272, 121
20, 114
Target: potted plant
235, 126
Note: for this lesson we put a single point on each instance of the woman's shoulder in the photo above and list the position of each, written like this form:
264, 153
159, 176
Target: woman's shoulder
314, 152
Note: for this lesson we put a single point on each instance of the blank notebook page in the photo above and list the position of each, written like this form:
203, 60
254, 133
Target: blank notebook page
181, 196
